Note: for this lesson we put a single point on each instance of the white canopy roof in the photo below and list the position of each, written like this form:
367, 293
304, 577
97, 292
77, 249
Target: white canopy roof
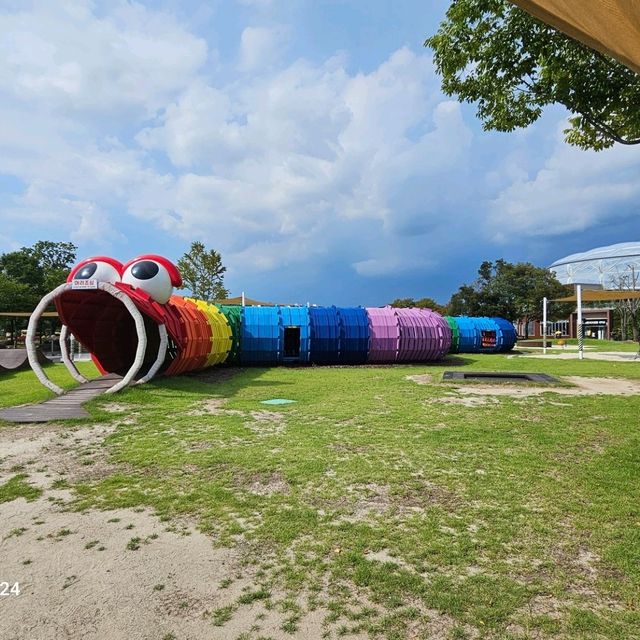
602, 266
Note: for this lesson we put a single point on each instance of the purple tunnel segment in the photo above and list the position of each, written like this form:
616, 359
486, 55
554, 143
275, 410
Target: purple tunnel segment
444, 333
424, 335
384, 332
417, 338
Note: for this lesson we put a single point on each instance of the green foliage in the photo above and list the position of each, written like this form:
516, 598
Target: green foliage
511, 291
55, 259
22, 267
203, 273
15, 295
511, 65
422, 303
27, 274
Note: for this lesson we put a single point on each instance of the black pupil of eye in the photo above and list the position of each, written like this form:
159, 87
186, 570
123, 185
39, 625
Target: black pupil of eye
144, 270
87, 271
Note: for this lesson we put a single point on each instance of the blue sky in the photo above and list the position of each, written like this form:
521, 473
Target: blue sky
306, 140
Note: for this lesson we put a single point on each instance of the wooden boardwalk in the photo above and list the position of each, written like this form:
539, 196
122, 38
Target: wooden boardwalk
64, 407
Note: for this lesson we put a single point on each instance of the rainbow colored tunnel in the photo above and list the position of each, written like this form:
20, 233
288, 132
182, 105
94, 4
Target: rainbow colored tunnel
127, 317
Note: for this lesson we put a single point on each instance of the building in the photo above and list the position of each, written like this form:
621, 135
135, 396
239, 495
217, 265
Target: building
614, 267
597, 324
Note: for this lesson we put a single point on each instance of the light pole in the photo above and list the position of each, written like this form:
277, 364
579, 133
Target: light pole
580, 332
544, 326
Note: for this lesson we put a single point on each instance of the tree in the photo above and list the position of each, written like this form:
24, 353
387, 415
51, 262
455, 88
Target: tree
203, 273
29, 273
511, 291
512, 65
422, 303
22, 267
628, 309
465, 302
55, 259
16, 296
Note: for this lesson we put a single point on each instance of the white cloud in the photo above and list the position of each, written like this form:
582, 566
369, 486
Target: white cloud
573, 191
277, 152
261, 47
93, 225
117, 122
290, 164
64, 56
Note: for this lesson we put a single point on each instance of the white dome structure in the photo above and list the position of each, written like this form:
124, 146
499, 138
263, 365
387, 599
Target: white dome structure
602, 266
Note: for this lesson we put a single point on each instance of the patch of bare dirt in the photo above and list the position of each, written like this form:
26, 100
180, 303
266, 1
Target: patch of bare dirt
269, 485
115, 407
583, 386
383, 556
423, 378
89, 584
266, 422
51, 452
213, 407
469, 401
361, 502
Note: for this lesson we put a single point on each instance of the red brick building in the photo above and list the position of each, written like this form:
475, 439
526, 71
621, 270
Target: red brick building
598, 323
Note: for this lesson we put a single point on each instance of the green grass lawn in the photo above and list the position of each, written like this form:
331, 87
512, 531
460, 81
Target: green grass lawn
381, 501
590, 344
22, 387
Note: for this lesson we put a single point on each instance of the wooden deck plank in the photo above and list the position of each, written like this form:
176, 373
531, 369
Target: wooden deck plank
62, 407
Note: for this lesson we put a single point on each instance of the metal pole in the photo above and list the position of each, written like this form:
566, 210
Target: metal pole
544, 326
580, 335
243, 298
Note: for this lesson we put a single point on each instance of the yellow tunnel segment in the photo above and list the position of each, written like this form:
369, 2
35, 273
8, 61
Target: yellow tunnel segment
220, 331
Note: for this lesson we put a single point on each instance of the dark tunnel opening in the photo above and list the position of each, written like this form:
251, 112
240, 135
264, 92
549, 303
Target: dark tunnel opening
104, 326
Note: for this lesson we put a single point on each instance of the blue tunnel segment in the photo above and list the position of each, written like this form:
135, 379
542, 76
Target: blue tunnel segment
484, 335
296, 333
354, 335
261, 336
507, 334
325, 335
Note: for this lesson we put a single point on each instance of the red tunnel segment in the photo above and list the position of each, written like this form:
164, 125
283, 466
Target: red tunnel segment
197, 337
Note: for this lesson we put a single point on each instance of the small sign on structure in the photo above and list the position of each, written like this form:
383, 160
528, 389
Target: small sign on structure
89, 283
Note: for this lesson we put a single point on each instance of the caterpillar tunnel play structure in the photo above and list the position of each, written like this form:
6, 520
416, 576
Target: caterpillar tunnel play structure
128, 318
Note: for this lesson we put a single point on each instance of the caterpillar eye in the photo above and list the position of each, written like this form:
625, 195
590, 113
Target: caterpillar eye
99, 268
151, 274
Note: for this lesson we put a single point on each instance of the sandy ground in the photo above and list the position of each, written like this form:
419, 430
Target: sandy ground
583, 386
77, 577
474, 394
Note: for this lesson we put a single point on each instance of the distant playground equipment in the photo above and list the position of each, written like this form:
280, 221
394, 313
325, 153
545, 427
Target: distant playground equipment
17, 359
132, 324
